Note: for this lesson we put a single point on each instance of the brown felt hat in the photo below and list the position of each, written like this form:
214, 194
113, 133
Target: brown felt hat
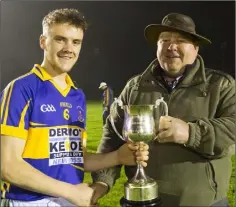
177, 23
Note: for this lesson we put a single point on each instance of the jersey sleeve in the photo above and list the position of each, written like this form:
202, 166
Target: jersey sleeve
16, 106
84, 114
84, 110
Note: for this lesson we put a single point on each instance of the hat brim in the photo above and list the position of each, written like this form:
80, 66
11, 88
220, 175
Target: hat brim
153, 31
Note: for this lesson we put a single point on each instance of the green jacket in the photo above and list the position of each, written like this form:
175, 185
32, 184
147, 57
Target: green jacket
198, 173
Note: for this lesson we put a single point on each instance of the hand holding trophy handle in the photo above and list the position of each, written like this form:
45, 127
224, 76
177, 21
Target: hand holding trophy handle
120, 104
158, 102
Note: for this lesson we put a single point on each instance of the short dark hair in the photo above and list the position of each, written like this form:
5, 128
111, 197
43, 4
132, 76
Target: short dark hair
65, 15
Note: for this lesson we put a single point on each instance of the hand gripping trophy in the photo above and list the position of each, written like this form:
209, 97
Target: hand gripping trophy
139, 126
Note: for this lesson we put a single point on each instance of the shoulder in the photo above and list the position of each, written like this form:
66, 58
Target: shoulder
26, 83
78, 90
219, 76
133, 81
80, 94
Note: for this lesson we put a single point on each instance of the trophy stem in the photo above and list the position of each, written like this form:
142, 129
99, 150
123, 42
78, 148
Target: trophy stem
140, 175
141, 190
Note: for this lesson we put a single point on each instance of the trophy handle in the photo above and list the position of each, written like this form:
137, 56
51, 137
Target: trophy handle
120, 103
159, 101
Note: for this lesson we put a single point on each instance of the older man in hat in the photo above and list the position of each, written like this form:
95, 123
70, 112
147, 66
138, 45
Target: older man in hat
107, 97
191, 155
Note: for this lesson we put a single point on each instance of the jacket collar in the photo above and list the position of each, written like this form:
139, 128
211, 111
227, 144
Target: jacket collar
193, 75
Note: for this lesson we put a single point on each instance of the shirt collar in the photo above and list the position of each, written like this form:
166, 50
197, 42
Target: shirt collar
45, 76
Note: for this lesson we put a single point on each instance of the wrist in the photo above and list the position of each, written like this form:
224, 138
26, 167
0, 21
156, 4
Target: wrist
67, 191
101, 183
186, 137
116, 157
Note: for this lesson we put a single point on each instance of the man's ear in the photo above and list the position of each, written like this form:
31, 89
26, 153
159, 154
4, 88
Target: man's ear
196, 48
42, 42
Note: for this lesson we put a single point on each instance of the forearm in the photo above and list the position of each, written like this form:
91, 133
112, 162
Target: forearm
99, 161
106, 156
109, 142
212, 138
25, 176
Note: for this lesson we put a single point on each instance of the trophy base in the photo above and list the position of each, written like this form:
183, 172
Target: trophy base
151, 203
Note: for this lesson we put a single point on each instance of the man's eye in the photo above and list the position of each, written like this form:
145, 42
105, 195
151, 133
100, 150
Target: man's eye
59, 39
181, 41
165, 40
77, 42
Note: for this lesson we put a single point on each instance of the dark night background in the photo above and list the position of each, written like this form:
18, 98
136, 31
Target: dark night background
114, 48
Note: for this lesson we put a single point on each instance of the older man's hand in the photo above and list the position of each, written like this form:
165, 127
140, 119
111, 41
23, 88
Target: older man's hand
130, 153
173, 130
100, 190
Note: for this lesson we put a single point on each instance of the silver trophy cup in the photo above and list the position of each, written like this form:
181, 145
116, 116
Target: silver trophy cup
139, 126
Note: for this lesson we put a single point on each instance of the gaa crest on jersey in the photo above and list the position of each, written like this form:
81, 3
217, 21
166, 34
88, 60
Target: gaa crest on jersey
80, 116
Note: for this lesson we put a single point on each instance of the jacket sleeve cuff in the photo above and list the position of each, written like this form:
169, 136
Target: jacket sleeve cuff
194, 136
98, 177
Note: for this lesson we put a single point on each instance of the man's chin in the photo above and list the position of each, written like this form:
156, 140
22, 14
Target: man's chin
173, 72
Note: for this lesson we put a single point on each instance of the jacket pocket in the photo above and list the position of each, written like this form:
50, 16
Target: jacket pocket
211, 176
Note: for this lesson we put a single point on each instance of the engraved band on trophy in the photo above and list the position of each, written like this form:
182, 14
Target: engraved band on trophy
139, 126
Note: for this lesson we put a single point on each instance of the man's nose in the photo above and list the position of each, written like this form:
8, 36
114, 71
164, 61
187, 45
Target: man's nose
68, 47
172, 46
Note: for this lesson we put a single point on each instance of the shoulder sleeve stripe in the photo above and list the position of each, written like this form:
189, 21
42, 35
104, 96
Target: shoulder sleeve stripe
7, 104
22, 117
9, 96
5, 94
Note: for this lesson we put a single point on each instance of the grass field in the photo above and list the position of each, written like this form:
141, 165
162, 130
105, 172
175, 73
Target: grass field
94, 129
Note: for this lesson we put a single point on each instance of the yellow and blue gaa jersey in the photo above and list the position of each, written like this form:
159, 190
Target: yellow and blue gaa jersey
51, 121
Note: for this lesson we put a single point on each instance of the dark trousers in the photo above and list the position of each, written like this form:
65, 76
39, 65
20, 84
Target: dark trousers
104, 116
222, 203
